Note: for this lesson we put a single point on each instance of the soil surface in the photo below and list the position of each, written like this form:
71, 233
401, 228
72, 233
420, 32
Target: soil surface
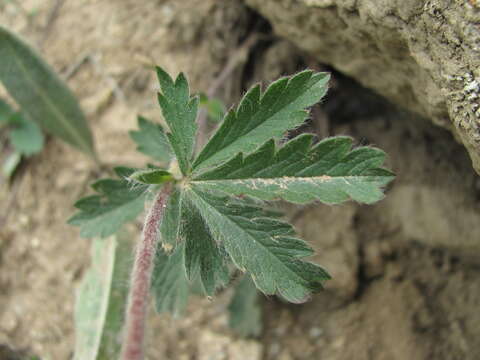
405, 270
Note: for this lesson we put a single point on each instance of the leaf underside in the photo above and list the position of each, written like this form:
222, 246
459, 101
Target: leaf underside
170, 286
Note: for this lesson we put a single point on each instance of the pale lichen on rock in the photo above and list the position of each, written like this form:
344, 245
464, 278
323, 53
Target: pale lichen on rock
412, 52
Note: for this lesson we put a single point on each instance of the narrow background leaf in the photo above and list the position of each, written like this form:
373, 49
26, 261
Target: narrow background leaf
10, 163
170, 286
40, 93
5, 112
101, 300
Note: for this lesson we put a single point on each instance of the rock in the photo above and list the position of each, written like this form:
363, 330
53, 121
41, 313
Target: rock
422, 55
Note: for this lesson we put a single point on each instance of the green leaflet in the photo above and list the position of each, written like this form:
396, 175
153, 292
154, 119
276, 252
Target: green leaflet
180, 112
25, 135
118, 202
169, 282
330, 172
261, 245
214, 107
203, 256
245, 313
151, 140
170, 226
259, 117
151, 176
100, 301
40, 93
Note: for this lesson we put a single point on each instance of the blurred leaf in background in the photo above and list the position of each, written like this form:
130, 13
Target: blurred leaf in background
101, 300
41, 95
245, 313
10, 164
215, 108
25, 135
24, 138
5, 112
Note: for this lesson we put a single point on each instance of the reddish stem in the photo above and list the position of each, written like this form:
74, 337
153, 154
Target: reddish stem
132, 348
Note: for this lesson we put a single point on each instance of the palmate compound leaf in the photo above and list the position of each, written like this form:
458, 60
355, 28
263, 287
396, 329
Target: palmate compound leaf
260, 117
298, 172
179, 112
260, 244
151, 140
118, 202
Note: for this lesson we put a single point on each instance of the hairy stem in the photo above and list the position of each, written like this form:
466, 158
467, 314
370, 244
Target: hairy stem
132, 347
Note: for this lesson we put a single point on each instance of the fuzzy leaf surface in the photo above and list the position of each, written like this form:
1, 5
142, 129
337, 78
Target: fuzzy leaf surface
260, 244
116, 204
203, 256
151, 140
170, 226
179, 111
169, 281
245, 313
298, 172
259, 117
